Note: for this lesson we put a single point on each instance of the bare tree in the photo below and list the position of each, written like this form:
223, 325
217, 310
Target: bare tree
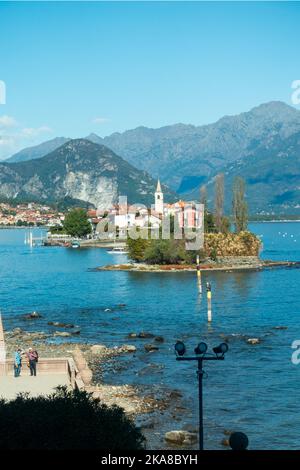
239, 205
219, 202
203, 196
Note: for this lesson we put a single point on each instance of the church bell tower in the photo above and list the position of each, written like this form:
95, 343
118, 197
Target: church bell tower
159, 199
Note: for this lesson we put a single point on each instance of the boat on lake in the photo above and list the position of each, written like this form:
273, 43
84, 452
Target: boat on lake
118, 250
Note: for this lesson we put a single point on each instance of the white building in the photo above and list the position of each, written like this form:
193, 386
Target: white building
124, 220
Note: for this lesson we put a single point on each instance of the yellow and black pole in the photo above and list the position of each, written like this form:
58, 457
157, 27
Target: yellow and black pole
208, 291
199, 274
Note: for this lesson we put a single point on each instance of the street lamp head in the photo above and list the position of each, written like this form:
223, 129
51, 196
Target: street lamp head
180, 348
221, 349
201, 348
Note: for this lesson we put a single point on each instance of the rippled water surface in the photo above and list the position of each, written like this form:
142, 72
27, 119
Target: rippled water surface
254, 390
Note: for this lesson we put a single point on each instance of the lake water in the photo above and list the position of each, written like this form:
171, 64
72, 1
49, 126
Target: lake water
255, 390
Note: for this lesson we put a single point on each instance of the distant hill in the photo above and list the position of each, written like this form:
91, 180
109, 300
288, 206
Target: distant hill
78, 171
37, 151
272, 177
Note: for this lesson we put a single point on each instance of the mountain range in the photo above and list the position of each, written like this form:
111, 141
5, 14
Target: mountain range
184, 156
272, 176
262, 145
79, 171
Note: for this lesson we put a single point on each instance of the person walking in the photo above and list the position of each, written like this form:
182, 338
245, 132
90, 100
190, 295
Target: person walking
18, 362
32, 357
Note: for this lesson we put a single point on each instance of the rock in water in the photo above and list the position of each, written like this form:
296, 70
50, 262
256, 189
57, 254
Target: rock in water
151, 347
32, 315
61, 325
145, 335
181, 437
175, 394
63, 334
159, 339
35, 315
225, 442
253, 341
98, 349
16, 332
128, 348
75, 331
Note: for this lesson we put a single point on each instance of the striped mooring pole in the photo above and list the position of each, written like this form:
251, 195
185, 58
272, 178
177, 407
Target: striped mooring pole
208, 291
199, 275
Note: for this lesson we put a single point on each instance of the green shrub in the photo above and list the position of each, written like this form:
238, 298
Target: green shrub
65, 420
170, 252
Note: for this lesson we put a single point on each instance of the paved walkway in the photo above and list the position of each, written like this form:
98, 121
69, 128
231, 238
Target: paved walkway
39, 385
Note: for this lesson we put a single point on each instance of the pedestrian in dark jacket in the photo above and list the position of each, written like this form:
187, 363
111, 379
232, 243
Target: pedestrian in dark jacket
32, 358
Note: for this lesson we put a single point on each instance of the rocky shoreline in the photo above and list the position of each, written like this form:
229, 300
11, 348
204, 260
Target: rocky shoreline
93, 357
234, 264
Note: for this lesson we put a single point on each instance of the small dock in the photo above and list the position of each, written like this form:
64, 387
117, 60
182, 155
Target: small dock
32, 240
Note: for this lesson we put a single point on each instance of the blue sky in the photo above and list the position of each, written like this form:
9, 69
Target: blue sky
72, 68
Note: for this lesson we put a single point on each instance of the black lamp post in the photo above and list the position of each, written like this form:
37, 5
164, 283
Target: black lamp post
200, 356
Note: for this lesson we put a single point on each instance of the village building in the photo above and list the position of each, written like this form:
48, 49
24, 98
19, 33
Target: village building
31, 214
123, 216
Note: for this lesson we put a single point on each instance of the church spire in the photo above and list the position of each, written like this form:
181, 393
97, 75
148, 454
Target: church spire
158, 187
159, 199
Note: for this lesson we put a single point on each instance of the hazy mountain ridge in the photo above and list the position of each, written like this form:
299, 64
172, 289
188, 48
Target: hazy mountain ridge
78, 170
37, 151
182, 151
271, 174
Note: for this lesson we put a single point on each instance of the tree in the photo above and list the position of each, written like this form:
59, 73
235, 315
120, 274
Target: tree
136, 247
66, 420
209, 223
219, 202
172, 223
225, 224
203, 195
76, 223
239, 205
57, 229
